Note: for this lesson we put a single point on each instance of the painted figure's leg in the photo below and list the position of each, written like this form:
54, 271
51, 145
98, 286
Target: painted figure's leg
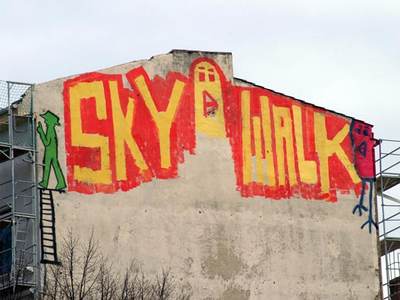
360, 206
59, 175
46, 172
370, 220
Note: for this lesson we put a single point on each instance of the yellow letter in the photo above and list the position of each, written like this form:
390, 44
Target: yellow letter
307, 168
257, 122
284, 138
163, 119
246, 137
266, 125
123, 134
83, 91
327, 148
258, 149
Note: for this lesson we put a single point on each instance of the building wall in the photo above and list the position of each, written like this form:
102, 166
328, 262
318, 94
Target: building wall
243, 192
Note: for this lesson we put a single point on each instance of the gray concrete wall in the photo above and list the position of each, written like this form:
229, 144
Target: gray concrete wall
219, 244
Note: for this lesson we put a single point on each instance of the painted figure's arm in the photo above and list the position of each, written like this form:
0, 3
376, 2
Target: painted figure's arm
42, 135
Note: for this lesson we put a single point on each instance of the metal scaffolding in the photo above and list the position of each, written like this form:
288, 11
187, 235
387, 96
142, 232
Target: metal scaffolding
388, 204
19, 210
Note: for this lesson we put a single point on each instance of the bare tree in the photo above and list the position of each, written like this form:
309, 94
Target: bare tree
20, 275
85, 274
107, 281
76, 277
163, 286
51, 282
134, 284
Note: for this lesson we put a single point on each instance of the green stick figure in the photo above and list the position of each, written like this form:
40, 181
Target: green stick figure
50, 158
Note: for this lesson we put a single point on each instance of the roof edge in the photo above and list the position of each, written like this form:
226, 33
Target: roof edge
302, 101
198, 51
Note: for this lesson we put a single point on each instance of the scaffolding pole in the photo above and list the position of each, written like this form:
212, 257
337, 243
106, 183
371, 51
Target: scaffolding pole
18, 193
388, 179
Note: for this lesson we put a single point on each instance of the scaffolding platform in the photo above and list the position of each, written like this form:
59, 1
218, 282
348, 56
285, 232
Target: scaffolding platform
388, 203
392, 244
386, 182
19, 210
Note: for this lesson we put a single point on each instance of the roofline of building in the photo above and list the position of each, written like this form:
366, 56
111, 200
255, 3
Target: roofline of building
268, 89
3, 110
299, 100
198, 51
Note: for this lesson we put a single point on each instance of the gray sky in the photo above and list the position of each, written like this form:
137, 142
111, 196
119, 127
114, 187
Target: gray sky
343, 55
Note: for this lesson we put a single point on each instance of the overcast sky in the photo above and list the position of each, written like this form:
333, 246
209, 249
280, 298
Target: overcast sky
342, 54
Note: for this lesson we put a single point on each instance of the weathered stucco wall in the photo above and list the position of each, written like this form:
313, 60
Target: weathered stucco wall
249, 202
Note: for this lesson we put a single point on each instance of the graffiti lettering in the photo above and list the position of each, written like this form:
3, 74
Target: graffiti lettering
280, 146
123, 135
85, 92
162, 119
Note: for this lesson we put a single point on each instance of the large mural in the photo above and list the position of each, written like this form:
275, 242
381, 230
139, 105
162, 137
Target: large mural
118, 137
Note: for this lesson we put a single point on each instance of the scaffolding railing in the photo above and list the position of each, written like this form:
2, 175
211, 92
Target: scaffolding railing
388, 192
19, 256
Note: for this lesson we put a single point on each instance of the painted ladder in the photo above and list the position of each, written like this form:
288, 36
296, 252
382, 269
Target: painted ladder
48, 228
